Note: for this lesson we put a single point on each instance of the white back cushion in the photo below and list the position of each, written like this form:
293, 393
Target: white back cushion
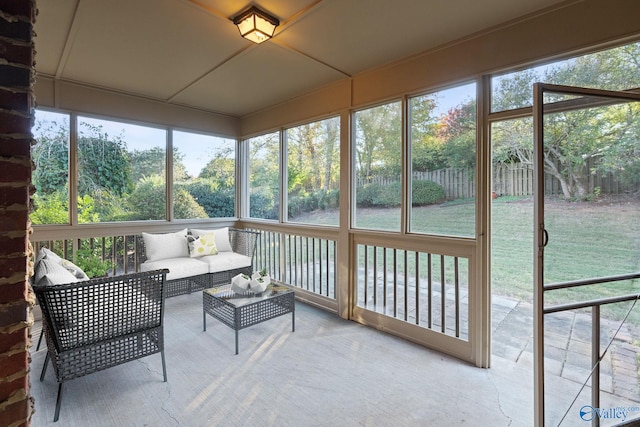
167, 245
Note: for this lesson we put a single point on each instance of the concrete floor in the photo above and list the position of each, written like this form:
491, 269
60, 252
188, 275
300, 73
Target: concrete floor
330, 372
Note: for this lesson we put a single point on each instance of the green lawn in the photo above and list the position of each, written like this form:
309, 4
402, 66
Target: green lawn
586, 239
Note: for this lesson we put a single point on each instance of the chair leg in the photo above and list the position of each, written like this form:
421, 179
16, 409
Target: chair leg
40, 340
58, 400
44, 366
164, 367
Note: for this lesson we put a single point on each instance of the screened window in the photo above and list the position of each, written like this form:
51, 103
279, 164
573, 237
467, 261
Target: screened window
591, 172
612, 69
443, 161
203, 176
313, 172
264, 176
50, 155
121, 171
378, 167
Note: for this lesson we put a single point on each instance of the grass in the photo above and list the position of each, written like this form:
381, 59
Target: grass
586, 239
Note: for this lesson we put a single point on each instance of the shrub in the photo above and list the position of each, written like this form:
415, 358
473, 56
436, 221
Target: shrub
389, 195
262, 205
427, 193
148, 201
217, 202
92, 263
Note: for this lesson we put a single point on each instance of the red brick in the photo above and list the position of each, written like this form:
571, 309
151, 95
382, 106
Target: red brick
15, 100
8, 266
14, 123
16, 9
10, 315
13, 363
9, 388
12, 292
12, 195
18, 30
16, 53
10, 147
11, 171
16, 339
13, 246
17, 413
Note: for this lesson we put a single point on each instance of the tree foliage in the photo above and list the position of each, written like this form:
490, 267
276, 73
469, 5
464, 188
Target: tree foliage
103, 162
577, 142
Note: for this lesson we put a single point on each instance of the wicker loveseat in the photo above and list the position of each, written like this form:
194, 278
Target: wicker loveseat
188, 271
91, 325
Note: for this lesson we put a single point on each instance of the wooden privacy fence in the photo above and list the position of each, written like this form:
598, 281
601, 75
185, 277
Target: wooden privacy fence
508, 180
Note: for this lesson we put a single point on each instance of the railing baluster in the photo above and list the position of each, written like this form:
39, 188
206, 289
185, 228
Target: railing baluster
417, 280
457, 292
429, 291
406, 287
375, 277
384, 279
595, 361
395, 282
442, 295
365, 274
320, 266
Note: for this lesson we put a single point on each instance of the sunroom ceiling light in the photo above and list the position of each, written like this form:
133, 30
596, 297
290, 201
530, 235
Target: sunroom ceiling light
256, 25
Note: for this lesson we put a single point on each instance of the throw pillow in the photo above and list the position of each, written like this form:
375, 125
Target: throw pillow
221, 236
49, 272
74, 269
164, 246
47, 254
202, 245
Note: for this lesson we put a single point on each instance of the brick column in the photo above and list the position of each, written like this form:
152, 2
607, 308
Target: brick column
16, 299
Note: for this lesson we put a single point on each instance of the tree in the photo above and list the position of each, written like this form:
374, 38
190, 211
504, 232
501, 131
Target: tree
577, 142
221, 169
378, 140
145, 163
148, 201
50, 156
458, 132
103, 162
264, 175
217, 201
426, 147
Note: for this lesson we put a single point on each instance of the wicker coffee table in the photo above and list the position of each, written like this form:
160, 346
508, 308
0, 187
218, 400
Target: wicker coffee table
241, 311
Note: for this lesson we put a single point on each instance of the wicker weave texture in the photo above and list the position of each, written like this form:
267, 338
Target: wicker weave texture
100, 323
250, 314
242, 242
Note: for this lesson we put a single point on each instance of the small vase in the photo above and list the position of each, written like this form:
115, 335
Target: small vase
240, 284
259, 283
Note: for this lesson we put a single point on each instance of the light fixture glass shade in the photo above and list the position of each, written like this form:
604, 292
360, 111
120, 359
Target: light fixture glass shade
256, 25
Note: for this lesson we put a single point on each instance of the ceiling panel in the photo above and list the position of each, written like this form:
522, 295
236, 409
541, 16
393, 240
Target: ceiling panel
354, 36
149, 47
53, 24
255, 79
189, 52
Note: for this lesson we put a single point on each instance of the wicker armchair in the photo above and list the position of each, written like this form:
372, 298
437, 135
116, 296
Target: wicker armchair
97, 324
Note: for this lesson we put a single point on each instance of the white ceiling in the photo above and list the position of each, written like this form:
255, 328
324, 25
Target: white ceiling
188, 52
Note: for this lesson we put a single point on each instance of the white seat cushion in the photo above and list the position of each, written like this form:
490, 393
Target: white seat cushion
178, 267
225, 261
